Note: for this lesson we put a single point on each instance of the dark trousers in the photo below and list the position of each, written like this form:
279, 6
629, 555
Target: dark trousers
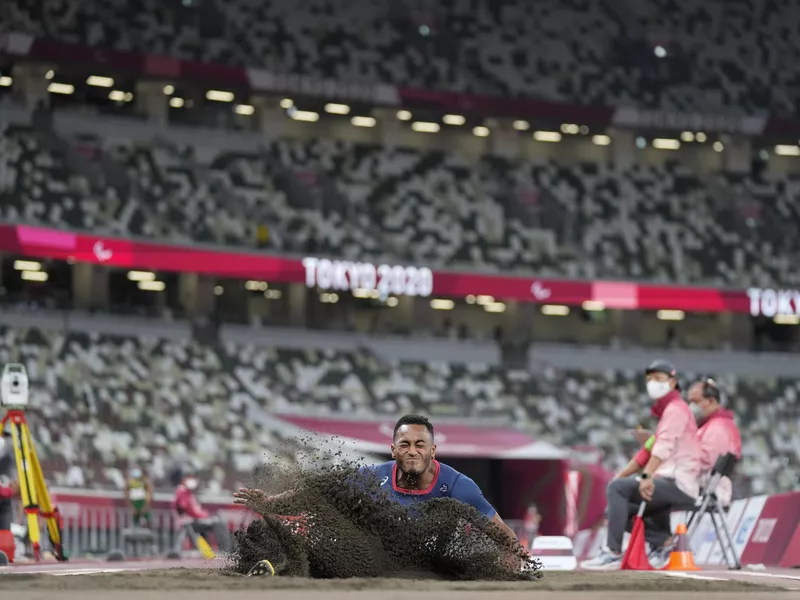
5, 514
623, 504
220, 530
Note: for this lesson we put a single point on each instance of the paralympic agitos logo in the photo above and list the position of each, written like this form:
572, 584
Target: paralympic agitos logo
770, 303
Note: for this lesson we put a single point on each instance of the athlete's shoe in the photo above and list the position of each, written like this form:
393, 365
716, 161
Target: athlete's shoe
264, 568
605, 561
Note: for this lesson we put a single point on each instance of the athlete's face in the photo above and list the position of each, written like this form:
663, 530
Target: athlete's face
413, 449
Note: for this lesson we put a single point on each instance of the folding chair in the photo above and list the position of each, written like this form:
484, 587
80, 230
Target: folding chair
707, 504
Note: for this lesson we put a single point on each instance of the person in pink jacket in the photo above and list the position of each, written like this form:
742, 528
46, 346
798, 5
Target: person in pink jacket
718, 433
669, 473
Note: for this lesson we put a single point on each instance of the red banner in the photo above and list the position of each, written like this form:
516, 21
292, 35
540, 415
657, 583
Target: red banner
773, 530
399, 280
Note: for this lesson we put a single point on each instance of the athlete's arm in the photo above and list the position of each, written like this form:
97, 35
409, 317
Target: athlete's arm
500, 523
467, 491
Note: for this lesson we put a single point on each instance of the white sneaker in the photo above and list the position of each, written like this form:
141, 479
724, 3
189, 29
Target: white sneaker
605, 561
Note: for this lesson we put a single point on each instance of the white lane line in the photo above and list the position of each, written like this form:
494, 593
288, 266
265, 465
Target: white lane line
683, 575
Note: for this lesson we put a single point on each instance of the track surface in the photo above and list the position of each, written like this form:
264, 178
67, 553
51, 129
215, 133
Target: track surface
201, 580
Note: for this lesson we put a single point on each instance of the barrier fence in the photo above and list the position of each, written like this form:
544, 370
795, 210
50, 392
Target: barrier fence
765, 530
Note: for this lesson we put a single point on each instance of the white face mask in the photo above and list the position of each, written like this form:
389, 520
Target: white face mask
658, 389
696, 410
191, 484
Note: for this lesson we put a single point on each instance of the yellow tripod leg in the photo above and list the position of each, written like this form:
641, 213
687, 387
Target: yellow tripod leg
27, 491
46, 507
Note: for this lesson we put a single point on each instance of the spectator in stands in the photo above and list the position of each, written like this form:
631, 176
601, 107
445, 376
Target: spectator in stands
718, 433
669, 472
203, 523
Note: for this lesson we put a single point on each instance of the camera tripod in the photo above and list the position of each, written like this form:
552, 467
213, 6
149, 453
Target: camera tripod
32, 487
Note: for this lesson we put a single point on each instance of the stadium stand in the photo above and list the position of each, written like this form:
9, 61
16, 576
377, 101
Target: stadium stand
207, 406
358, 201
714, 55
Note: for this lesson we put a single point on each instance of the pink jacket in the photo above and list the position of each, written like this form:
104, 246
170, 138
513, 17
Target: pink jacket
186, 504
678, 446
719, 435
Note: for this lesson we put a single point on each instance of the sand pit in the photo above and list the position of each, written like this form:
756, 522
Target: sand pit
206, 584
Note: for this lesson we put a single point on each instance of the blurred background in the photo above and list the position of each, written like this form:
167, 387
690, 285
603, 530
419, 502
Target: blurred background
223, 224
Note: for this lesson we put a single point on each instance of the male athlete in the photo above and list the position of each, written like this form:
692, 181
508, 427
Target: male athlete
414, 475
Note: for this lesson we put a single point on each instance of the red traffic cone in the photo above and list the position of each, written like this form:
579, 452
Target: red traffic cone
681, 558
635, 558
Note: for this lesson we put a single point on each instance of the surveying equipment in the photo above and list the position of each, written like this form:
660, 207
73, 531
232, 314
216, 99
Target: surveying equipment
32, 488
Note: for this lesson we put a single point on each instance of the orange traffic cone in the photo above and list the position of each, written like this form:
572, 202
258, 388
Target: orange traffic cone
681, 558
7, 543
635, 558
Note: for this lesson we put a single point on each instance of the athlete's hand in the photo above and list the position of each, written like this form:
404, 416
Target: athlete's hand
247, 496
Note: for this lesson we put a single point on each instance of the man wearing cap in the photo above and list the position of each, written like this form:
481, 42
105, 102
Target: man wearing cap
669, 475
718, 433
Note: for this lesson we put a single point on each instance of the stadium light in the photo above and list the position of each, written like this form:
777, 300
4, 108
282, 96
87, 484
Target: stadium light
168, 90
687, 136
329, 298
307, 116
176, 102
670, 315
391, 302
520, 125
593, 305
6, 81
27, 265
219, 96
256, 286
403, 115
480, 131
601, 140
141, 276
570, 128
337, 109
287, 103
362, 293
555, 310
61, 88
424, 127
244, 109
666, 144
34, 275
483, 299
454, 120
718, 147
700, 137
787, 150
547, 136
660, 51
218, 290
786, 320
50, 74
363, 121
116, 95
152, 286
273, 294
98, 81
442, 304
495, 307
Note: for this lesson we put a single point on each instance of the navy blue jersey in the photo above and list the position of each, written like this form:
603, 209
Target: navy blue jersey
447, 483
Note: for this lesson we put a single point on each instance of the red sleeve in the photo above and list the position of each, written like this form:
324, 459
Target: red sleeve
642, 457
5, 491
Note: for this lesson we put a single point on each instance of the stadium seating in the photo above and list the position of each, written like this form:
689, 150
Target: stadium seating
360, 201
100, 401
715, 56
